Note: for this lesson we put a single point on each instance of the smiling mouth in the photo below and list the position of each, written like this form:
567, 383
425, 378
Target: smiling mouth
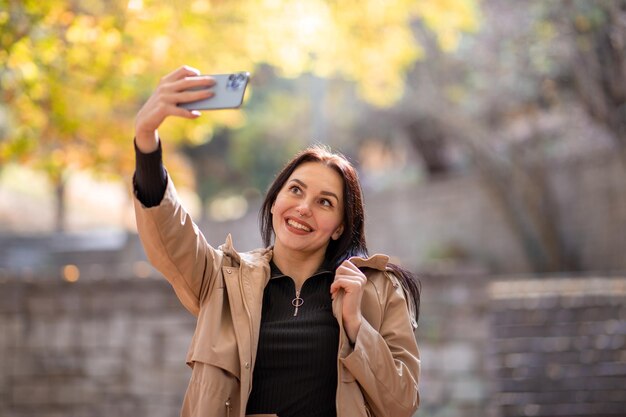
298, 226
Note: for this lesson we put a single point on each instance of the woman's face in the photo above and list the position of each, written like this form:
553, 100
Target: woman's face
308, 210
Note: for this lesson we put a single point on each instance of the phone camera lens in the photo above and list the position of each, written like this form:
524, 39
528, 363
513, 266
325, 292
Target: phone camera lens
235, 81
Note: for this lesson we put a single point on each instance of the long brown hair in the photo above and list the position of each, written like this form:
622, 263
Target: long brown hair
352, 240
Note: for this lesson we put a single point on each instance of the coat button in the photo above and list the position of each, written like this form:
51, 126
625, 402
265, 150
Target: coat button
247, 365
228, 270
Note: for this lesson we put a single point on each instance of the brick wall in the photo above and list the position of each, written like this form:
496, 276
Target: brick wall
558, 346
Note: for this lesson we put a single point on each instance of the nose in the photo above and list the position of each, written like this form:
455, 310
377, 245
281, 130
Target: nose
303, 210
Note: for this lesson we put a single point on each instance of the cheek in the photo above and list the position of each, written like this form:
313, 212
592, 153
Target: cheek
277, 210
332, 223
278, 206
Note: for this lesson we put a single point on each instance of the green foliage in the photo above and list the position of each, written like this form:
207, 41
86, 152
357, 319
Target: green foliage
75, 72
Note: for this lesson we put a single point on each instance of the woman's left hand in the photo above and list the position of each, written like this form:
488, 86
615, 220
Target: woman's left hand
350, 278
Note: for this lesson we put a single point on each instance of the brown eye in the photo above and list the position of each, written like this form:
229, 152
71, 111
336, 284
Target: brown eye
326, 202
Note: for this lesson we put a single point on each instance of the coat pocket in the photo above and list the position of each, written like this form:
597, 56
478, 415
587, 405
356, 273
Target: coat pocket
212, 391
215, 341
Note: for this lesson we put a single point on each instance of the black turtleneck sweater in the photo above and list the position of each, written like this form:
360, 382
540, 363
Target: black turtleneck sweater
296, 364
295, 374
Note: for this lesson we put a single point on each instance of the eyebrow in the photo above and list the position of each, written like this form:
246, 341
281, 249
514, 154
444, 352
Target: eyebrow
328, 193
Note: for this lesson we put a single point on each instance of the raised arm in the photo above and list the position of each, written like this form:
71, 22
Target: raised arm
172, 242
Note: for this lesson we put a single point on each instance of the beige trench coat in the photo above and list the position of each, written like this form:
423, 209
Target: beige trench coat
224, 290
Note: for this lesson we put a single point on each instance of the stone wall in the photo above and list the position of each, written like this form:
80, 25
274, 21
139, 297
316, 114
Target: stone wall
92, 348
490, 347
559, 346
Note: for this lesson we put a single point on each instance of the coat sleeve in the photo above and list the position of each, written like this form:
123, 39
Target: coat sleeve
176, 248
386, 363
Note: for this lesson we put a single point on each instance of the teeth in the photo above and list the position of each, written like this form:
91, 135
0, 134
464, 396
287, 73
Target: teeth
298, 225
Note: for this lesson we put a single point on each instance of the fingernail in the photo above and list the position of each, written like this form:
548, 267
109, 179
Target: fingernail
196, 113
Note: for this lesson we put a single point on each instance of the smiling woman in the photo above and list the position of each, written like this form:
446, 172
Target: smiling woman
309, 325
307, 214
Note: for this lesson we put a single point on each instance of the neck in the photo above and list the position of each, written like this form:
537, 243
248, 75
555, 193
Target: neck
296, 264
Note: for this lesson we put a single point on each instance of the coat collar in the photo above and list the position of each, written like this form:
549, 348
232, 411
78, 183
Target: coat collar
377, 261
257, 256
229, 250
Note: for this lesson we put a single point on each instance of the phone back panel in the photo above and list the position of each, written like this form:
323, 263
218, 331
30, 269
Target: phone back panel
228, 93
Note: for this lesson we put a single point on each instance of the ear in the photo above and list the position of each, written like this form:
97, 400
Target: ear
337, 233
272, 207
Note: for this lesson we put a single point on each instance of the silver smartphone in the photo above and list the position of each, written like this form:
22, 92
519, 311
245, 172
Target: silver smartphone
228, 89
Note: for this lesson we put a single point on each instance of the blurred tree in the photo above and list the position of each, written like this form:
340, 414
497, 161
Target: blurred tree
75, 72
574, 47
67, 103
599, 70
492, 96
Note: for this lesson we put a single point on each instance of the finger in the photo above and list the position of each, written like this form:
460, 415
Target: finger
168, 89
349, 266
175, 97
335, 286
334, 292
343, 270
182, 112
186, 83
188, 96
348, 281
349, 273
348, 284
352, 266
181, 72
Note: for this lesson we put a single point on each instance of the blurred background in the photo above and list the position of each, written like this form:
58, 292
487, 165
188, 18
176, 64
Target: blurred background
489, 135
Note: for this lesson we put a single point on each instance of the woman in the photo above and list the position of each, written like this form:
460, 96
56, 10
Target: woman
310, 326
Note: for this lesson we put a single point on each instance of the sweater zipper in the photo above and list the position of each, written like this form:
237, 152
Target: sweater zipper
297, 302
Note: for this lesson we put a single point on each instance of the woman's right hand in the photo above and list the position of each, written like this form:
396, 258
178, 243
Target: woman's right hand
163, 103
